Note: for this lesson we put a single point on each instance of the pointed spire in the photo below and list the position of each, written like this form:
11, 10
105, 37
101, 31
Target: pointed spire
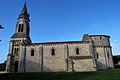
24, 13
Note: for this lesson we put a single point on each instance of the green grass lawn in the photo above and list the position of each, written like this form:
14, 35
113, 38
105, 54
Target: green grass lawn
113, 74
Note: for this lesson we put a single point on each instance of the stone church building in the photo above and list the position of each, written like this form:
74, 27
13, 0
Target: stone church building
91, 54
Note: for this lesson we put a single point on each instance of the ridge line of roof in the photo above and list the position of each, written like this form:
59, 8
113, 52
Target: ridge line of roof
99, 35
59, 42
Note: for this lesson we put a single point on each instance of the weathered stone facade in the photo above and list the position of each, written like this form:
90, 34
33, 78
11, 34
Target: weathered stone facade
91, 54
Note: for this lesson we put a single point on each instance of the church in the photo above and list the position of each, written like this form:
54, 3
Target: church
92, 53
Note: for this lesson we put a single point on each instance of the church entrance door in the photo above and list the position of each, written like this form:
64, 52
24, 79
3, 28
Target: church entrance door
16, 66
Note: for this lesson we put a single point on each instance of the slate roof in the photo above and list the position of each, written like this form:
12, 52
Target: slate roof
24, 13
20, 35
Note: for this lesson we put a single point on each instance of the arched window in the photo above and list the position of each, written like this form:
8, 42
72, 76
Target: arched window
77, 51
32, 52
97, 56
108, 54
53, 52
20, 28
16, 51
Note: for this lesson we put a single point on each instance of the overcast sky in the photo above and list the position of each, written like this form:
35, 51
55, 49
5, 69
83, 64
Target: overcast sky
62, 20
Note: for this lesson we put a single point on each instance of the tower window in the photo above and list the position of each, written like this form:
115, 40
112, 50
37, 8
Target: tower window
108, 54
77, 51
32, 52
20, 28
53, 52
16, 51
97, 56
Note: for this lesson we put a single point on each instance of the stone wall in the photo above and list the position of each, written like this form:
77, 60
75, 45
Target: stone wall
44, 61
33, 63
100, 58
84, 65
55, 62
102, 51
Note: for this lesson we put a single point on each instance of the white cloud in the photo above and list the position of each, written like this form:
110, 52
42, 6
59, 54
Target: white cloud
116, 40
115, 45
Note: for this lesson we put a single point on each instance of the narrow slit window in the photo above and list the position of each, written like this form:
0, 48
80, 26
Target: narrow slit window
53, 52
32, 52
17, 50
21, 27
108, 55
77, 51
97, 56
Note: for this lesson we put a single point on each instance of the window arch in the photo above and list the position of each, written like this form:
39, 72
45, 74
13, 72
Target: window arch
32, 52
53, 52
20, 28
16, 51
77, 51
97, 56
108, 54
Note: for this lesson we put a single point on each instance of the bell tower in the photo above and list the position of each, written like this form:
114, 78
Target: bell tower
22, 26
20, 37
